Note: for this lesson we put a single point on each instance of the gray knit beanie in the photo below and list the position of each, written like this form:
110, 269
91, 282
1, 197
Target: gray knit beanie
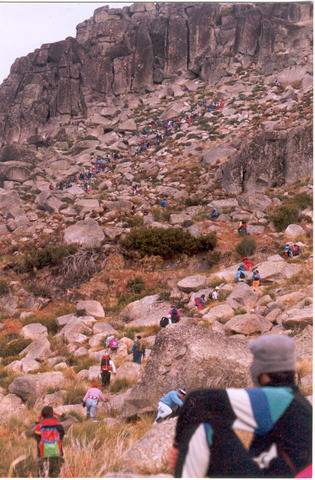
272, 353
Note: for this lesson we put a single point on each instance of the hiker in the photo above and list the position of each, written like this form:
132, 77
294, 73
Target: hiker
199, 302
214, 214
242, 229
240, 274
274, 411
49, 433
51, 186
91, 398
296, 250
163, 203
214, 294
107, 368
247, 264
256, 280
287, 252
174, 314
112, 343
169, 402
138, 350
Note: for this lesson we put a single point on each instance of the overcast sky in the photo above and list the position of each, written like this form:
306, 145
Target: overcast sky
26, 26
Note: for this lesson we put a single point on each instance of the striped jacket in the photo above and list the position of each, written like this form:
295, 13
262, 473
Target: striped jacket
280, 419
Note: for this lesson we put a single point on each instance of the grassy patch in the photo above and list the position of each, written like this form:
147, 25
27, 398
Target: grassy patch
246, 247
121, 384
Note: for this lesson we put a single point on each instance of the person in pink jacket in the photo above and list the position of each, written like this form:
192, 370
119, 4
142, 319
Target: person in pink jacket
91, 399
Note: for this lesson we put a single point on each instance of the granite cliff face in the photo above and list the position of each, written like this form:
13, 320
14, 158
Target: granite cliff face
118, 51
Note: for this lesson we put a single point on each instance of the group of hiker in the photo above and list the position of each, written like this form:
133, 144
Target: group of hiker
244, 267
293, 251
200, 301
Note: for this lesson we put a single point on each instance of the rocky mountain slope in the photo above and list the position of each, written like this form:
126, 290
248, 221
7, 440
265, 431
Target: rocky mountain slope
202, 105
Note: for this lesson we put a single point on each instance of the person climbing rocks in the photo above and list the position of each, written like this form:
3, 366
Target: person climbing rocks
49, 432
51, 186
169, 402
256, 280
174, 314
242, 229
138, 350
296, 250
214, 214
163, 203
214, 294
240, 275
287, 252
247, 264
200, 301
206, 442
107, 368
91, 399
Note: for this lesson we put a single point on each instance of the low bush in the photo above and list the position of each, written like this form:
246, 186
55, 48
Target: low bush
10, 348
4, 288
74, 395
284, 215
50, 255
121, 384
166, 243
246, 247
136, 285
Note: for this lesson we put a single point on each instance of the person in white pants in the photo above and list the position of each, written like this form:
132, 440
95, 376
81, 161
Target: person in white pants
172, 399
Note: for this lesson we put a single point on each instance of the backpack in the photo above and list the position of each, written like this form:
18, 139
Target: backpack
242, 274
105, 365
114, 344
174, 316
256, 276
164, 322
50, 443
138, 346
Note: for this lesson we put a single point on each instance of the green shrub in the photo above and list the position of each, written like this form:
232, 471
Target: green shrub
246, 247
167, 242
50, 255
136, 285
284, 215
84, 362
12, 347
192, 201
4, 288
301, 200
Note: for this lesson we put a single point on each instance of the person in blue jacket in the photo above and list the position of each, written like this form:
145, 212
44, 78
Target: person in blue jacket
167, 404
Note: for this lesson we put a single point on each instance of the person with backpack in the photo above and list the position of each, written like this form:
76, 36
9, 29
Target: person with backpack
247, 264
174, 314
242, 229
214, 214
49, 433
169, 402
287, 252
107, 368
274, 412
296, 250
199, 302
240, 274
91, 399
138, 350
256, 280
214, 294
112, 343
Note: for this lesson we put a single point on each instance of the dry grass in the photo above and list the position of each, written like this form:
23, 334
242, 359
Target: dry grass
304, 367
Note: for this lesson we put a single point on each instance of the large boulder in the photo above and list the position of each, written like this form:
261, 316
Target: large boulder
39, 349
298, 317
91, 307
293, 231
216, 154
33, 331
87, 233
275, 268
32, 386
129, 370
11, 405
242, 295
147, 311
189, 356
73, 330
150, 453
192, 283
248, 324
222, 313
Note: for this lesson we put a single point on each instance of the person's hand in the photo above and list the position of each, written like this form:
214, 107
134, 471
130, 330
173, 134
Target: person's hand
172, 457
